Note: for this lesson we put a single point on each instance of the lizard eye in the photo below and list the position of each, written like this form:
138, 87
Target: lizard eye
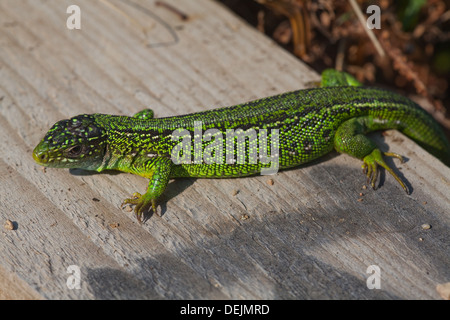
74, 151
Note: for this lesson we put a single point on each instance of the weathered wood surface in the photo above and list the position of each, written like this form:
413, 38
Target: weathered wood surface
306, 236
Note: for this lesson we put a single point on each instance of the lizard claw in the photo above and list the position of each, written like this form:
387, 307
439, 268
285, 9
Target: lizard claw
371, 171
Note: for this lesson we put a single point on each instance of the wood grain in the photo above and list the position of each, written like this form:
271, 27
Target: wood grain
309, 235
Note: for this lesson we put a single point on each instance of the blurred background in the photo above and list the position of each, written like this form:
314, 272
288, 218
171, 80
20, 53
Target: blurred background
409, 53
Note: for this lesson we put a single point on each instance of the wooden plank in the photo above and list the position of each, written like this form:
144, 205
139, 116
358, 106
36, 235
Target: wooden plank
306, 236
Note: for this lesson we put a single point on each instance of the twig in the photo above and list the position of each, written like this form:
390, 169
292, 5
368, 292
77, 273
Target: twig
183, 16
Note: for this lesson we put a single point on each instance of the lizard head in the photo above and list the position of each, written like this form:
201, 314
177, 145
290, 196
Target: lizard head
74, 143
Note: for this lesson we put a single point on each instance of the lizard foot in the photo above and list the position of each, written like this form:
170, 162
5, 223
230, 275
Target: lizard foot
375, 159
142, 203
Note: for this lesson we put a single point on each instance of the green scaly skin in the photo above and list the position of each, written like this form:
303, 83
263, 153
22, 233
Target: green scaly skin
311, 123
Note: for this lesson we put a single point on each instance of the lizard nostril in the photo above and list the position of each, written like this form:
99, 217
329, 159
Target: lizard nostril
40, 157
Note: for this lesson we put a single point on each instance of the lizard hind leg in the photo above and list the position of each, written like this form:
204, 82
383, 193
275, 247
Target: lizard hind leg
350, 139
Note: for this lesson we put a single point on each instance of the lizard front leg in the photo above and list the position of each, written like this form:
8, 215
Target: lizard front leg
158, 171
145, 114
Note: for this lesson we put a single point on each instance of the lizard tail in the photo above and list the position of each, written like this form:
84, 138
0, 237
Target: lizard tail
428, 134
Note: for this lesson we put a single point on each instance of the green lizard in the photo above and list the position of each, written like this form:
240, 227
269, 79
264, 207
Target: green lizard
301, 125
